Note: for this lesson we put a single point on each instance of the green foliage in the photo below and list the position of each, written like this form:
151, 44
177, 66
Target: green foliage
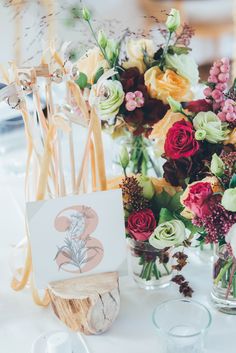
82, 80
172, 49
98, 74
232, 183
165, 216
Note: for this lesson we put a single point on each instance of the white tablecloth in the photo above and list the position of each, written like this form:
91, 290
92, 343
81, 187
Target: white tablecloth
21, 321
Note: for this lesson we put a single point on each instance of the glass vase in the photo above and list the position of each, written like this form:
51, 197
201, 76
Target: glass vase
224, 280
142, 156
151, 268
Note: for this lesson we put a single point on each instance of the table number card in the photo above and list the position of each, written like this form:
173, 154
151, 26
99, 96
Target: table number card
76, 235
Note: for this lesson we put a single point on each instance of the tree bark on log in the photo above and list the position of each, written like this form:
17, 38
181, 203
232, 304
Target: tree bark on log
89, 304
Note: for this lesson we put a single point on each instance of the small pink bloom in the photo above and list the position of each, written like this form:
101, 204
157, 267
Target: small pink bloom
214, 71
224, 68
228, 108
138, 94
216, 106
217, 95
230, 117
222, 116
129, 96
207, 91
225, 61
213, 79
223, 77
131, 105
139, 102
221, 86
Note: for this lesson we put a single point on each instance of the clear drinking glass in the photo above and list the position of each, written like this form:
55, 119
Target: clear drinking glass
184, 324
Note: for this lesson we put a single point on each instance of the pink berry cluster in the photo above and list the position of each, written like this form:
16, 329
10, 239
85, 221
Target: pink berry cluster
134, 100
219, 76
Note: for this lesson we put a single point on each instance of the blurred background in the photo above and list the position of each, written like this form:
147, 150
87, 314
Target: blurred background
28, 26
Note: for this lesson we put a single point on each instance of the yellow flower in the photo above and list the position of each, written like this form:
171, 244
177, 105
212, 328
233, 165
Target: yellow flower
135, 49
215, 185
231, 140
161, 185
90, 62
161, 128
161, 85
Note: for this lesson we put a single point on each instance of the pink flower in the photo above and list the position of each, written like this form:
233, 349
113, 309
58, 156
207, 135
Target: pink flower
134, 100
197, 198
141, 224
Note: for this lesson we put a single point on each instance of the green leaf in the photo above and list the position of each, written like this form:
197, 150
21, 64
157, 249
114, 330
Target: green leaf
175, 204
98, 74
189, 225
165, 216
232, 183
82, 80
172, 49
162, 200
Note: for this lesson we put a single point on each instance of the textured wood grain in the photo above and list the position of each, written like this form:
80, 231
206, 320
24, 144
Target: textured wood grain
87, 304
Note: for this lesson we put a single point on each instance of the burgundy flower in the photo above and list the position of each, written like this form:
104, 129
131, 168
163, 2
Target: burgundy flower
200, 105
176, 171
180, 141
218, 222
141, 224
141, 119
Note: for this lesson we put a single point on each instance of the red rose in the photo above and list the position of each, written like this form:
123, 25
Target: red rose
141, 224
180, 141
197, 199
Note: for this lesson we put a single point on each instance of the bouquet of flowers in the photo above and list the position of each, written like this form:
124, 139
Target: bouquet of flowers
129, 81
196, 130
155, 229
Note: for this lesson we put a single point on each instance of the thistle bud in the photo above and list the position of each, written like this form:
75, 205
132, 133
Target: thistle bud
147, 185
217, 166
124, 157
200, 135
173, 20
86, 14
175, 106
102, 39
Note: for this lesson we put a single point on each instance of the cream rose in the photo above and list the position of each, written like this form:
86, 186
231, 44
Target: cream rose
107, 99
135, 52
168, 234
185, 66
90, 62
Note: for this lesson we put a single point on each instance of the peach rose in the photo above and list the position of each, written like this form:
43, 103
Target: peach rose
90, 62
215, 186
134, 50
161, 128
161, 185
161, 85
231, 140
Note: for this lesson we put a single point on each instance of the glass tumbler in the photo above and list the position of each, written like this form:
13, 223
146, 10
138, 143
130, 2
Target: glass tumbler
183, 323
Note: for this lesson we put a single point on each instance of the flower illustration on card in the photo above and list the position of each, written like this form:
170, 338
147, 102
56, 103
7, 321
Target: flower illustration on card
81, 251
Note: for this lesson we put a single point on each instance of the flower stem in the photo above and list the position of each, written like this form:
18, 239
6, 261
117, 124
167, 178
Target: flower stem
231, 278
101, 49
223, 271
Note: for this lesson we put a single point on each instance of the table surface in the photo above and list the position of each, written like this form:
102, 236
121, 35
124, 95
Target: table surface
21, 321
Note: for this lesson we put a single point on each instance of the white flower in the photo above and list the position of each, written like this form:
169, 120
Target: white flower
231, 238
107, 98
167, 234
184, 65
